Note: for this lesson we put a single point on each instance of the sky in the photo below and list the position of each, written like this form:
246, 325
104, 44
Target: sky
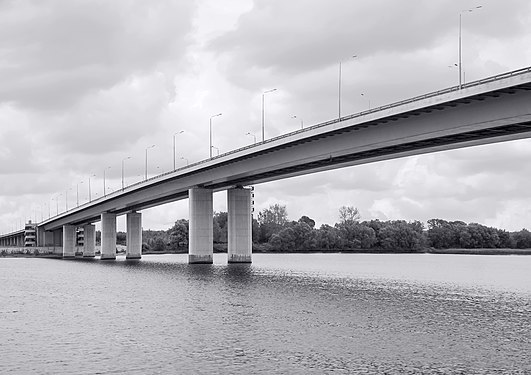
85, 85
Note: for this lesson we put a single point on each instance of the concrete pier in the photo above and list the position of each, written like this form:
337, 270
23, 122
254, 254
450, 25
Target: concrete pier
239, 225
108, 236
134, 236
89, 241
69, 241
201, 236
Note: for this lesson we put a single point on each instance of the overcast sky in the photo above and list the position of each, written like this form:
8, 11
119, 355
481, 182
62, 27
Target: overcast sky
85, 84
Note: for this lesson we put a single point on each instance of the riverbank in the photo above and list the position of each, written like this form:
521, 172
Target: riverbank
481, 251
27, 253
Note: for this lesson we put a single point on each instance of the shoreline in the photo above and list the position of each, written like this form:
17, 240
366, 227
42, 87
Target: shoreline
453, 251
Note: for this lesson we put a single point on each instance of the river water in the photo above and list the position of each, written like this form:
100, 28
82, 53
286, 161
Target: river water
284, 314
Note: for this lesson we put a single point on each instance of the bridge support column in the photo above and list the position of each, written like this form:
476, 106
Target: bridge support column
108, 236
201, 236
69, 241
134, 236
89, 241
239, 223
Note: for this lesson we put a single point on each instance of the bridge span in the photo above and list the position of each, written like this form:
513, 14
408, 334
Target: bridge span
494, 109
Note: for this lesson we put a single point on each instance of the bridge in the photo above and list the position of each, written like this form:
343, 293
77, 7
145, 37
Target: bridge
494, 109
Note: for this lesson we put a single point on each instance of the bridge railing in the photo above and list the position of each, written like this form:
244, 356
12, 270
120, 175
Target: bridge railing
317, 126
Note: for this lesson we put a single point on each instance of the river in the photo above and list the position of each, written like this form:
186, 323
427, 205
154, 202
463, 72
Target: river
284, 314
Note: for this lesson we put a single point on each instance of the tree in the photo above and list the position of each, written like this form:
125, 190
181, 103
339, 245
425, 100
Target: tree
220, 227
348, 214
271, 221
523, 239
328, 238
178, 234
307, 220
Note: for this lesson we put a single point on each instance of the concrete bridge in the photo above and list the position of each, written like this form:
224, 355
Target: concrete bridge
494, 109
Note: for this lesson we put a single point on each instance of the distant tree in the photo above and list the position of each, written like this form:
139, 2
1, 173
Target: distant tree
348, 214
271, 221
401, 235
328, 238
354, 235
121, 238
523, 239
307, 220
256, 230
220, 227
178, 234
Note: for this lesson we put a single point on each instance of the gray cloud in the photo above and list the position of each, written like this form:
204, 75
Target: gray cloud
55, 52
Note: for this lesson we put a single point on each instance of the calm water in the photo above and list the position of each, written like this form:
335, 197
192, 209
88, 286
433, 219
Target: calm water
284, 314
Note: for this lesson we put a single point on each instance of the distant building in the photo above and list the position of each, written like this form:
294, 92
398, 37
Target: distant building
80, 236
30, 234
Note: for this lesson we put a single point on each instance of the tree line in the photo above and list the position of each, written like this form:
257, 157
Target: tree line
274, 232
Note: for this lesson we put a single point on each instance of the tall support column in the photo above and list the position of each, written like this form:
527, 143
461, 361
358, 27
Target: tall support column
134, 236
69, 241
108, 236
89, 241
201, 236
239, 222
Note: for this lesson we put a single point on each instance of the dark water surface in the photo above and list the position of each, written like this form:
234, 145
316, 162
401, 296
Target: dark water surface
284, 314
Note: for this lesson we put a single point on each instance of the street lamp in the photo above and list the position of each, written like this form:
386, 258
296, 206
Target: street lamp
90, 193
182, 131
263, 113
339, 87
217, 149
77, 193
104, 190
362, 94
211, 117
460, 44
147, 148
302, 123
254, 136
124, 159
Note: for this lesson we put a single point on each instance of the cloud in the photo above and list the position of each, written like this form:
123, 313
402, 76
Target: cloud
53, 53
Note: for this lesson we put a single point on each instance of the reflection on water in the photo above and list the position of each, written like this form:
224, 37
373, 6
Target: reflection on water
297, 314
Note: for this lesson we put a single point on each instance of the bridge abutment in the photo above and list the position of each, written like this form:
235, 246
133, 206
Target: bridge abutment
239, 223
108, 236
201, 237
89, 241
134, 236
69, 241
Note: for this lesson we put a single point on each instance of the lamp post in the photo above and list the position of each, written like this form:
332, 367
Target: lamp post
263, 113
147, 148
104, 190
90, 192
460, 44
217, 149
77, 193
210, 137
124, 159
339, 87
252, 135
362, 94
302, 122
182, 131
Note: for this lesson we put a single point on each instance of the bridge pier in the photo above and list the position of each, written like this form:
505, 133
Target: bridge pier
201, 236
89, 241
69, 241
239, 223
133, 235
108, 236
